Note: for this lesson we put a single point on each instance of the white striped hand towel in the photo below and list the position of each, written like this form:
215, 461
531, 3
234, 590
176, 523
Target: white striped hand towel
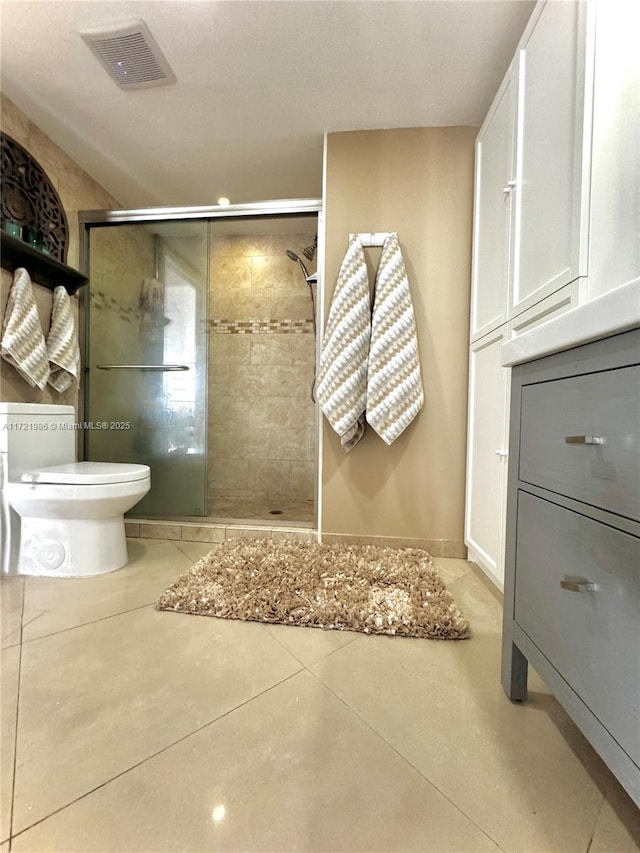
341, 388
394, 386
62, 343
23, 343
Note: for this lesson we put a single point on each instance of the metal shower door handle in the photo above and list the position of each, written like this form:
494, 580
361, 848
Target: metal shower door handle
164, 368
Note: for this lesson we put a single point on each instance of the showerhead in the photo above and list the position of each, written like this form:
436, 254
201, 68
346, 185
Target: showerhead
294, 257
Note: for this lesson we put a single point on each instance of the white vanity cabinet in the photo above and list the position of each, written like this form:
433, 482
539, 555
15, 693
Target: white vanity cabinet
493, 213
556, 212
614, 213
487, 454
549, 207
525, 239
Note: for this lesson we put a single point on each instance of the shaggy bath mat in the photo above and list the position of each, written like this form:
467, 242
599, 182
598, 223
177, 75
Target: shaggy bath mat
345, 587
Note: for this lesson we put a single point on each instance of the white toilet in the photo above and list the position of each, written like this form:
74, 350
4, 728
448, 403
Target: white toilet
60, 517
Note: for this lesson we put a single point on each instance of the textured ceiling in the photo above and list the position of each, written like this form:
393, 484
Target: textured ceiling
258, 84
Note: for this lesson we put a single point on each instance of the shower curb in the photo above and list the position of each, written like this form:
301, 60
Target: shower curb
214, 532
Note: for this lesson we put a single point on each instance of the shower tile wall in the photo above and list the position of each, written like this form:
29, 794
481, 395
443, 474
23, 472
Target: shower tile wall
262, 435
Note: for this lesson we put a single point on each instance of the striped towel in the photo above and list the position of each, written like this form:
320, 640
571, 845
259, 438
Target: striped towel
341, 389
62, 343
394, 386
22, 342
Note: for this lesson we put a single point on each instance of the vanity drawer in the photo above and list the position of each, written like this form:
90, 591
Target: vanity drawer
592, 638
580, 437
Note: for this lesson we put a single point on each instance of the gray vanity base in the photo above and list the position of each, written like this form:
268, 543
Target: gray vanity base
572, 581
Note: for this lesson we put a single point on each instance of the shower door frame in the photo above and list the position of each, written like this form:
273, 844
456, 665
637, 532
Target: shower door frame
89, 219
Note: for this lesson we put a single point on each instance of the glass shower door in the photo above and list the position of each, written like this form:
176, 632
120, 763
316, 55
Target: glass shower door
147, 356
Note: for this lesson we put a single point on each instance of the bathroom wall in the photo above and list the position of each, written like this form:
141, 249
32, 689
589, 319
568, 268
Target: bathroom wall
77, 191
261, 366
418, 182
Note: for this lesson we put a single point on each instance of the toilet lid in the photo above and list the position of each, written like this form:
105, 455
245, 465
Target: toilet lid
87, 473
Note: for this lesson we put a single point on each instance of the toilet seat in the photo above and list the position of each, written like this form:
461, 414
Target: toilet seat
87, 473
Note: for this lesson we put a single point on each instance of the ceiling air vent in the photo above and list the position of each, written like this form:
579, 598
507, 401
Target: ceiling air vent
130, 55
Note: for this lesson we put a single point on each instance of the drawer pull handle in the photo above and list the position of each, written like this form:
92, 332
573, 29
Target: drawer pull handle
579, 586
583, 439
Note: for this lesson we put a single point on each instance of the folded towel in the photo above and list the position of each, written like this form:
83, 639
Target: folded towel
394, 386
22, 342
62, 343
341, 387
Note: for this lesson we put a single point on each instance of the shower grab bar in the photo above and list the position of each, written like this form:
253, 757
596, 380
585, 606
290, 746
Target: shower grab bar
159, 367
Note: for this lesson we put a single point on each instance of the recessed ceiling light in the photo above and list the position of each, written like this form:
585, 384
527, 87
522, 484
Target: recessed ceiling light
223, 200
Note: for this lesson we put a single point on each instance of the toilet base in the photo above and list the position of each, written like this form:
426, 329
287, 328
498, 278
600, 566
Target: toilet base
71, 548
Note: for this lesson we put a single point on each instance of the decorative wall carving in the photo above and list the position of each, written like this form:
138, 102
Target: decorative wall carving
30, 199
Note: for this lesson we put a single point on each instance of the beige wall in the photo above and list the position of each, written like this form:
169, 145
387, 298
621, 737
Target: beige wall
418, 182
77, 191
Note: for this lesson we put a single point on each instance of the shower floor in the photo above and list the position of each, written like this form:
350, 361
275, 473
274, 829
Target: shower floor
229, 510
262, 510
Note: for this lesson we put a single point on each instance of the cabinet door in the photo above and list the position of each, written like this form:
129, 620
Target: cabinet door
487, 455
549, 156
615, 177
492, 215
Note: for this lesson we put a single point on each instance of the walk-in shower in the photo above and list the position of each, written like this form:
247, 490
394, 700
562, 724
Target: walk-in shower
200, 343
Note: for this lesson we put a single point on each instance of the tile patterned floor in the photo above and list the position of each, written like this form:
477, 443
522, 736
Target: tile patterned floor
125, 729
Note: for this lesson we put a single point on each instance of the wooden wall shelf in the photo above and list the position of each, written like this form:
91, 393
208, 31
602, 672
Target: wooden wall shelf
43, 269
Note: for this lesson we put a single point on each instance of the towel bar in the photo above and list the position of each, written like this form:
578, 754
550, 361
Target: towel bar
376, 238
159, 367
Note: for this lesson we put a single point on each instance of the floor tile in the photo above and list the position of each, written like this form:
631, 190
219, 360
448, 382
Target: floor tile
451, 569
55, 604
97, 699
477, 598
284, 772
309, 645
521, 771
10, 670
618, 826
11, 598
481, 602
195, 550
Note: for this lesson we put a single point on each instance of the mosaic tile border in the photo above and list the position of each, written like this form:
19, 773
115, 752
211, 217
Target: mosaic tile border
101, 302
261, 327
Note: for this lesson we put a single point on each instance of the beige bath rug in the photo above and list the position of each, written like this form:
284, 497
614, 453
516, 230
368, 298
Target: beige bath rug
344, 587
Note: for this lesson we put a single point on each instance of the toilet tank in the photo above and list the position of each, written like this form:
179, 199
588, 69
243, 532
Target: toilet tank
35, 435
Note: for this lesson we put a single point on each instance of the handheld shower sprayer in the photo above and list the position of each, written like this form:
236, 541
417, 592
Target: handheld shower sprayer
309, 253
294, 257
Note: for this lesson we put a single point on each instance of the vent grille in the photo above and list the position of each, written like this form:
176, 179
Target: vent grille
130, 55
